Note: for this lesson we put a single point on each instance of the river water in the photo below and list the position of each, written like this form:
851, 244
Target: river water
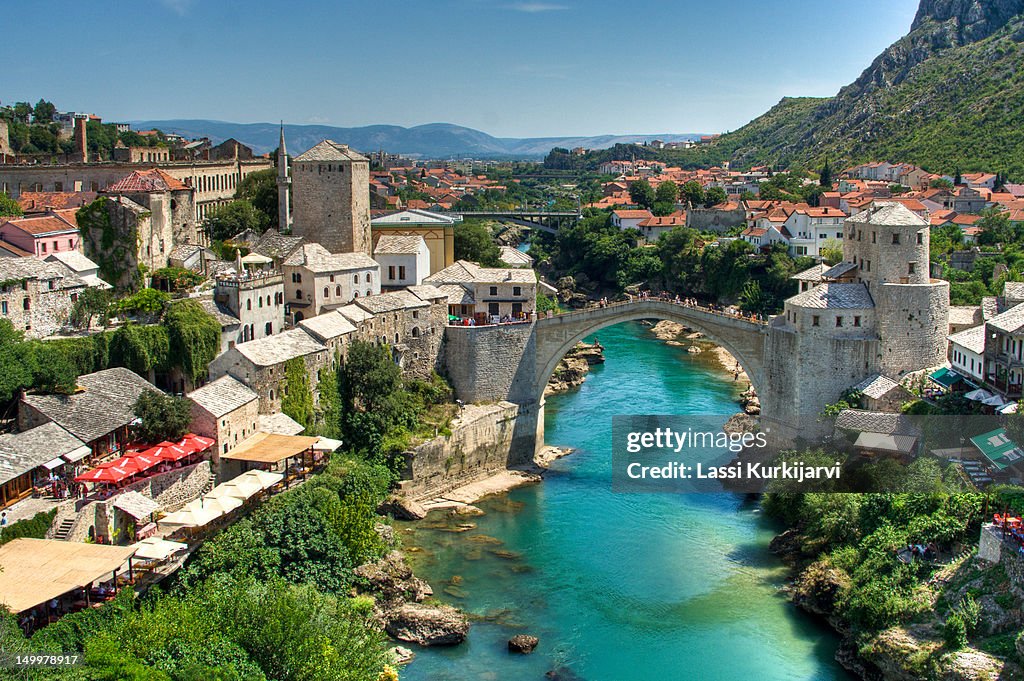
618, 587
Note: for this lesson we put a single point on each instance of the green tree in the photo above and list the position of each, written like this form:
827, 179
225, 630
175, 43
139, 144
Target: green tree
16, 361
641, 193
668, 192
22, 112
296, 394
193, 336
43, 111
260, 190
92, 302
473, 242
940, 183
715, 196
693, 193
995, 227
238, 216
9, 208
825, 177
161, 417
831, 251
55, 372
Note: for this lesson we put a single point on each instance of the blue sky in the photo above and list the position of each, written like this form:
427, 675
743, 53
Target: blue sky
510, 68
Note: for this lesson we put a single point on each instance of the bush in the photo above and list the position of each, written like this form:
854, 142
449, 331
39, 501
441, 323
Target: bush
34, 527
954, 631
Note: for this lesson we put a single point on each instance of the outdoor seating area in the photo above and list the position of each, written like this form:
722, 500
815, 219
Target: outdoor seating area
42, 579
1012, 529
220, 503
296, 456
136, 464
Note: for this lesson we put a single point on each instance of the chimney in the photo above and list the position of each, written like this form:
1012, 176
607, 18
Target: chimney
81, 141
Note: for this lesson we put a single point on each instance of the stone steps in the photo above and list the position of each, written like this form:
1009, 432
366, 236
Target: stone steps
64, 529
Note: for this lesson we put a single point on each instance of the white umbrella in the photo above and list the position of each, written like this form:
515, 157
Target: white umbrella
978, 395
266, 479
155, 548
193, 514
994, 401
1009, 408
239, 488
224, 504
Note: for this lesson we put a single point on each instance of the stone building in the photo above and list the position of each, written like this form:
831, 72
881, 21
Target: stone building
260, 364
37, 296
332, 329
331, 198
225, 410
877, 312
437, 230
284, 187
404, 260
125, 154
316, 280
411, 324
256, 299
493, 292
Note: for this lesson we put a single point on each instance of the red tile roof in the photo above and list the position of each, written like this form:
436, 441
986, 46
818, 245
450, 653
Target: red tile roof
152, 180
14, 250
39, 201
50, 223
633, 214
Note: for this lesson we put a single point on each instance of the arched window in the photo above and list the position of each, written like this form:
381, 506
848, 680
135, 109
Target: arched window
354, 295
356, 279
271, 393
259, 301
327, 292
298, 294
248, 304
369, 277
415, 332
270, 328
396, 339
369, 292
337, 291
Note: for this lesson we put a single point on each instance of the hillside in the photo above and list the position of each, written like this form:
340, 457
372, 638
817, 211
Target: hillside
948, 94
434, 140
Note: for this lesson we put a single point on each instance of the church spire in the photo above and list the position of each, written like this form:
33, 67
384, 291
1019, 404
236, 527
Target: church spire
284, 182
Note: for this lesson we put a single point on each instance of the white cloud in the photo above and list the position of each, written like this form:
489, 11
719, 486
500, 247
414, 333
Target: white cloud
179, 7
536, 7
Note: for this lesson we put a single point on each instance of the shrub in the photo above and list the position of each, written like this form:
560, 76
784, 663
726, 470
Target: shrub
34, 527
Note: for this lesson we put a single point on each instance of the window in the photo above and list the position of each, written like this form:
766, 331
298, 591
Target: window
259, 301
3, 307
327, 292
517, 290
415, 314
839, 321
55, 247
492, 308
337, 291
355, 279
248, 304
860, 235
332, 278
296, 277
873, 237
269, 329
856, 321
920, 238
494, 290
895, 238
911, 266
369, 277
71, 244
401, 271
517, 309
415, 332
391, 272
26, 304
815, 320
298, 294
42, 247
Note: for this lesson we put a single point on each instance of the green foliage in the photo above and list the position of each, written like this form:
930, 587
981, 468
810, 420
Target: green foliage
55, 371
34, 527
374, 403
260, 190
850, 399
715, 196
693, 192
147, 303
92, 302
473, 242
104, 243
162, 417
9, 207
296, 394
177, 278
238, 216
193, 337
16, 361
667, 192
545, 303
831, 251
642, 193
140, 348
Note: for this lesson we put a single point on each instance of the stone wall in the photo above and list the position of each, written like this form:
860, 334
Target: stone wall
714, 220
48, 309
486, 439
489, 363
912, 325
331, 204
992, 548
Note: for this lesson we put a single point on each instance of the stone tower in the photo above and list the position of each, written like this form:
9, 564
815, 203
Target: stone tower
332, 198
284, 182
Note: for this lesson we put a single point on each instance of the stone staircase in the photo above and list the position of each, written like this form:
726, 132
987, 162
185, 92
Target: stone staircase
64, 528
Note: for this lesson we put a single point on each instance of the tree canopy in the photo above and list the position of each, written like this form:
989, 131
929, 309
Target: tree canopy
161, 417
473, 242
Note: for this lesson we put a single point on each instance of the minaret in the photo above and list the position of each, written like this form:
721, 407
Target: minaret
284, 182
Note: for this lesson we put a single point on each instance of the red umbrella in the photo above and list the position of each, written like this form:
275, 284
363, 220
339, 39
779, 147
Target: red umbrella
168, 451
195, 443
110, 474
145, 461
126, 463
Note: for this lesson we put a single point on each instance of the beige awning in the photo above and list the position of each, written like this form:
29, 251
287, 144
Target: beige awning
155, 548
136, 505
193, 514
33, 571
889, 443
265, 479
270, 448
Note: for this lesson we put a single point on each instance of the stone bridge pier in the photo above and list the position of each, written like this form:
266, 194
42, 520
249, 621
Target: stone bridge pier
513, 362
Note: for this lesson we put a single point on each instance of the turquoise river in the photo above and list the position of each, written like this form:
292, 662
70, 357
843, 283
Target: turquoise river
618, 587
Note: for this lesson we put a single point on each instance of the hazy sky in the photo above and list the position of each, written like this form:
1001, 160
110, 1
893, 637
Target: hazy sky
513, 69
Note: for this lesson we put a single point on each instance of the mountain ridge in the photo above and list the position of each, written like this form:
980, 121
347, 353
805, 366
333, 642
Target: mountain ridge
431, 140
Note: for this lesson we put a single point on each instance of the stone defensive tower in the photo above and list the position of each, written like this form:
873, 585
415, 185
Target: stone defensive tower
332, 198
876, 313
284, 184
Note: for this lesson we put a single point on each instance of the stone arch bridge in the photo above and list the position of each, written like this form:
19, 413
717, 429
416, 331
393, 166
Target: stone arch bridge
513, 362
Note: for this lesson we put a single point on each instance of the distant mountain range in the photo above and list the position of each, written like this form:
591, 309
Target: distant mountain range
435, 140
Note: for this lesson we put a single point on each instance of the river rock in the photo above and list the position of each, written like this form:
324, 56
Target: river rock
392, 579
741, 423
668, 331
817, 588
401, 655
522, 643
573, 368
404, 508
694, 350
427, 625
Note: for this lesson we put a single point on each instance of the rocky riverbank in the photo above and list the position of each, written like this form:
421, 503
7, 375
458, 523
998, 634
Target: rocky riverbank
572, 370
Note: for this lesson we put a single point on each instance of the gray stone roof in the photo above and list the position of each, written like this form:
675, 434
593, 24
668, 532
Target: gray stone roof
965, 314
265, 352
427, 292
24, 451
513, 257
834, 297
972, 339
102, 404
316, 258
399, 244
989, 307
1013, 290
390, 302
74, 261
889, 214
838, 270
811, 274
354, 313
458, 294
273, 244
183, 251
219, 312
223, 396
463, 271
876, 422
876, 386
1010, 321
329, 150
327, 326
278, 424
34, 268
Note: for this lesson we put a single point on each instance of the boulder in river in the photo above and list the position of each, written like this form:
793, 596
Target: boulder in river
403, 508
522, 643
427, 625
392, 578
